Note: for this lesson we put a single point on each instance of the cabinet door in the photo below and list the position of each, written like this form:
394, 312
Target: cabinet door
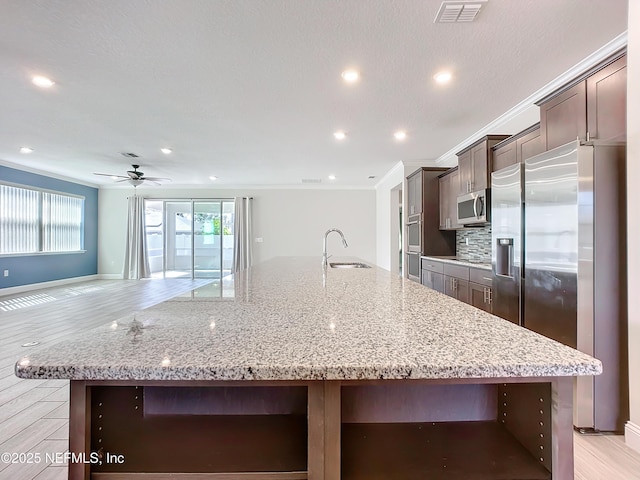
462, 290
454, 189
479, 296
456, 288
479, 165
528, 146
564, 118
465, 172
504, 156
437, 282
411, 195
449, 288
433, 280
443, 194
418, 192
607, 102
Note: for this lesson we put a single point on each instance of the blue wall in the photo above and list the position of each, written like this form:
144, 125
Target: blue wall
24, 270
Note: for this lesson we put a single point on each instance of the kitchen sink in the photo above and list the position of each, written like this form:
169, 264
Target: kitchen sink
348, 265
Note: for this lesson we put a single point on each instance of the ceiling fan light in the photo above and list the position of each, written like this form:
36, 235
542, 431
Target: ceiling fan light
135, 182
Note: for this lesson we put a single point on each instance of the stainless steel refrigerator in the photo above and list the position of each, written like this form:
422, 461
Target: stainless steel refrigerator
559, 264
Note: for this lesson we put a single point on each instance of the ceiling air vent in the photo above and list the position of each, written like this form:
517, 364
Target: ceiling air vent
458, 11
311, 180
130, 155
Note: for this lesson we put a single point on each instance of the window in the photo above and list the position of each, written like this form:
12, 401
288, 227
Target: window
33, 221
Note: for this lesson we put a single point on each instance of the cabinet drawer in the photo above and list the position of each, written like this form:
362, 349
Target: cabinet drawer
457, 271
431, 265
483, 277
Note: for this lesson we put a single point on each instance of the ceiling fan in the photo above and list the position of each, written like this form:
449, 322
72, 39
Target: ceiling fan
135, 177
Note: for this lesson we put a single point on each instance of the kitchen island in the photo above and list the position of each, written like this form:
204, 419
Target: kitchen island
322, 374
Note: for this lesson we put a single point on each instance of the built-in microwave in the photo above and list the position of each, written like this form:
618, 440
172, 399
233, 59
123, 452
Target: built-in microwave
473, 208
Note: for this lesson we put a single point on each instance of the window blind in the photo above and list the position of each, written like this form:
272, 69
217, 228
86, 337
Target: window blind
34, 221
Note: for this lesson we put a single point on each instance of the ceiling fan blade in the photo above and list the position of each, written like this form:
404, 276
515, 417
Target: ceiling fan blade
123, 180
109, 175
156, 179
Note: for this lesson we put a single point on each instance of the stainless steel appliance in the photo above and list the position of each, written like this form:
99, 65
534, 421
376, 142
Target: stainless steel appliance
414, 234
506, 232
474, 207
569, 258
413, 266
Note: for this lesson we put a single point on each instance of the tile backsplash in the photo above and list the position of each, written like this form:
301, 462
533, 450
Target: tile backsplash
479, 244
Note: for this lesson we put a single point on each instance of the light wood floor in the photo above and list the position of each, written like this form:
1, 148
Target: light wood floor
34, 414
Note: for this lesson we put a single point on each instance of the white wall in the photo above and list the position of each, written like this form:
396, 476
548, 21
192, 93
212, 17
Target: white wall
291, 222
633, 219
386, 217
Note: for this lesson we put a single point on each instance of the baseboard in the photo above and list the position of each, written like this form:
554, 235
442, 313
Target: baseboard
110, 276
53, 283
632, 436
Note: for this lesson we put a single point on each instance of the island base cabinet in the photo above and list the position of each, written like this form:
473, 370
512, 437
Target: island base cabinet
448, 429
156, 431
517, 432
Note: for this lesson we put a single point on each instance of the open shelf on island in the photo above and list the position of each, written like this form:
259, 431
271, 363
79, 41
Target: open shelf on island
437, 451
191, 442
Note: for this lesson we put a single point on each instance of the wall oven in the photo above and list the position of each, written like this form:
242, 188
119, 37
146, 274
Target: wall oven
413, 266
414, 234
473, 208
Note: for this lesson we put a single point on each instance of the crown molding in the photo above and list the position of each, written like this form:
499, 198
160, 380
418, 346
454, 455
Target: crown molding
524, 108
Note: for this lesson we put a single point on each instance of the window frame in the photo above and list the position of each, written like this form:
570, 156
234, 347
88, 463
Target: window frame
41, 190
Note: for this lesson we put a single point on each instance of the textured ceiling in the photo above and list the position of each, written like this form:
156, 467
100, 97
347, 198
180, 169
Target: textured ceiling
250, 90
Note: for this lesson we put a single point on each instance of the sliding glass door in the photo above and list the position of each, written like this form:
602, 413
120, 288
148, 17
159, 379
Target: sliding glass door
190, 238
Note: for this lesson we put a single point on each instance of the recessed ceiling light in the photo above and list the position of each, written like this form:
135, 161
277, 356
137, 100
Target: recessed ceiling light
340, 135
42, 82
332, 177
166, 151
26, 150
400, 135
213, 177
351, 75
443, 77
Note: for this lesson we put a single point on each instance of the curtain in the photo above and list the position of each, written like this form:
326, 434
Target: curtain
136, 259
242, 254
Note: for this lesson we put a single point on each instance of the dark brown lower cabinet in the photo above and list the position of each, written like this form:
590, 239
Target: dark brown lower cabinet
456, 288
480, 296
440, 428
433, 280
468, 284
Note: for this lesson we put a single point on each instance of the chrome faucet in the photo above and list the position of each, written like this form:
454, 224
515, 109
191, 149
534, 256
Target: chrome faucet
325, 257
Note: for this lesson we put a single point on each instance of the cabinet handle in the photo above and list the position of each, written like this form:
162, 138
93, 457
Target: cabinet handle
489, 293
484, 295
487, 279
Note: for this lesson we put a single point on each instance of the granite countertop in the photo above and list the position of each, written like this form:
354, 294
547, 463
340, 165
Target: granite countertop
461, 261
289, 320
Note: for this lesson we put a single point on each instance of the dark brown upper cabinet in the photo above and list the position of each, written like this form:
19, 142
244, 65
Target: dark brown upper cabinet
592, 108
414, 193
517, 148
423, 215
474, 164
449, 190
607, 102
